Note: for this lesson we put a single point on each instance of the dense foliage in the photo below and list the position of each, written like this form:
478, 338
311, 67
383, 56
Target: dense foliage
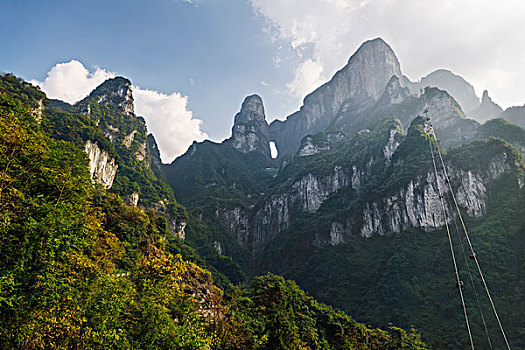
407, 278
211, 173
101, 119
210, 178
81, 269
500, 128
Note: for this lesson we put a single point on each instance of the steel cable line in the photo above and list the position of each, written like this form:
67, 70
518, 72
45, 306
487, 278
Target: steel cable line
472, 281
470, 243
458, 284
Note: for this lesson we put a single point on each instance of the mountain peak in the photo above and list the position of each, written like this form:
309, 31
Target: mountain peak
358, 85
486, 96
462, 91
115, 91
253, 103
250, 129
373, 45
371, 67
487, 109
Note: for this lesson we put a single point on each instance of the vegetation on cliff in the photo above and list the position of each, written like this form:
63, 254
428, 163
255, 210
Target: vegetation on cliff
82, 269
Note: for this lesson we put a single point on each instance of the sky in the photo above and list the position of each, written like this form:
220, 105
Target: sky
192, 62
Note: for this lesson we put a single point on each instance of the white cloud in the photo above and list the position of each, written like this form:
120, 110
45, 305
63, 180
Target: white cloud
169, 120
307, 77
71, 81
477, 39
195, 3
167, 116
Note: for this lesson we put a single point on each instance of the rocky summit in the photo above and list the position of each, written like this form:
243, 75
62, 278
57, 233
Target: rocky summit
488, 109
376, 178
455, 85
360, 83
352, 207
250, 130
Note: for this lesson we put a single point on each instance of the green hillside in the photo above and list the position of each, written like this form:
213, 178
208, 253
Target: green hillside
80, 269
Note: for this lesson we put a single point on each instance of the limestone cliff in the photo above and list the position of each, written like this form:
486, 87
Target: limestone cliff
250, 129
414, 204
359, 84
102, 168
418, 204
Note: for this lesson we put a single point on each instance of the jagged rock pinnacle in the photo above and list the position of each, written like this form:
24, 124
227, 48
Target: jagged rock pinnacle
250, 129
360, 83
116, 91
487, 109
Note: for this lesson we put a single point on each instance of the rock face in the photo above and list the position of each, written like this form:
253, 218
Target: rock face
102, 168
116, 92
128, 139
488, 109
418, 205
452, 126
462, 91
250, 129
320, 143
154, 160
415, 204
132, 199
515, 115
360, 83
37, 112
395, 93
254, 228
310, 146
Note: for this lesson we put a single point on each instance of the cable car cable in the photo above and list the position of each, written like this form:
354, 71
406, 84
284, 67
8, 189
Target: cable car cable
472, 281
470, 245
458, 282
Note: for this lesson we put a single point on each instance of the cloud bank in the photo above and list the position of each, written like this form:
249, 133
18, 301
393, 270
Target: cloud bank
71, 81
167, 116
169, 120
477, 39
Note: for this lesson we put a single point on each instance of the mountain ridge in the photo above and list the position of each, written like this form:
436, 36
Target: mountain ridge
354, 171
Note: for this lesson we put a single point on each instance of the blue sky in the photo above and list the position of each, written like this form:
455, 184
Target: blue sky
216, 53
193, 61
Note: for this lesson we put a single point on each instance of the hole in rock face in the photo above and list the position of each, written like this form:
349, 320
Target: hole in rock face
273, 150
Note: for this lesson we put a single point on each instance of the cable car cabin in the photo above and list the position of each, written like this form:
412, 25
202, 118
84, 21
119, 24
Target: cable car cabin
460, 284
472, 256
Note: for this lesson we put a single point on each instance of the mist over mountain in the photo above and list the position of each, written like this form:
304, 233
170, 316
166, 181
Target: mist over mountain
455, 85
488, 109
